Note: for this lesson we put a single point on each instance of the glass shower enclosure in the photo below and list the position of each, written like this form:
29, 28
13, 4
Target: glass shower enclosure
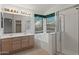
67, 32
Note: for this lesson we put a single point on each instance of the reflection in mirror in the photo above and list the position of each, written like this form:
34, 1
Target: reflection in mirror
10, 23
1, 21
7, 25
28, 24
18, 26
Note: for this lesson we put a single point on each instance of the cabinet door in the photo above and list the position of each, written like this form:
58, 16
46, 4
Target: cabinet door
31, 41
6, 46
16, 43
0, 47
25, 42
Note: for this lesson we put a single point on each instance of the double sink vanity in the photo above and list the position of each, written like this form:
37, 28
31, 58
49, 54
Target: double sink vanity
14, 31
10, 44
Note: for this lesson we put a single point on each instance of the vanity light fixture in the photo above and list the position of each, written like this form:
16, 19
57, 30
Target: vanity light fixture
11, 10
27, 13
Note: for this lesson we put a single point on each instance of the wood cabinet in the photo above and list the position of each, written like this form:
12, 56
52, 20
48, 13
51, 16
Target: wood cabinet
6, 46
31, 41
0, 46
25, 42
12, 45
16, 42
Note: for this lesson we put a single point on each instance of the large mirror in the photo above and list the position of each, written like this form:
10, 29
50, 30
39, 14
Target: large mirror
11, 23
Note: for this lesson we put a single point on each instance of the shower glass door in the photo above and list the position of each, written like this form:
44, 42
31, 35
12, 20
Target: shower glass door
69, 31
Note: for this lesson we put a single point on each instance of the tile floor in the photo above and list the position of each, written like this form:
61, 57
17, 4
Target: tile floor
33, 52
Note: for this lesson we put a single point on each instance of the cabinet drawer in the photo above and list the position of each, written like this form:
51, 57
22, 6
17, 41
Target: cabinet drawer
16, 42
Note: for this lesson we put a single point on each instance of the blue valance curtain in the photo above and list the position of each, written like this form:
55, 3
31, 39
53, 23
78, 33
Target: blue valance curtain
50, 23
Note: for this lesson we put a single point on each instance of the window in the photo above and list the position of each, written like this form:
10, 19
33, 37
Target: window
38, 24
50, 23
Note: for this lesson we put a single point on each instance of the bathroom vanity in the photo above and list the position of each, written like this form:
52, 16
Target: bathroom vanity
12, 45
14, 31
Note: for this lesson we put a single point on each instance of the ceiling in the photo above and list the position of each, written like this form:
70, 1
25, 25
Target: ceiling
42, 8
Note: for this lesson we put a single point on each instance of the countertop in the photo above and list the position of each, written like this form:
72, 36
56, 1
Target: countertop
14, 35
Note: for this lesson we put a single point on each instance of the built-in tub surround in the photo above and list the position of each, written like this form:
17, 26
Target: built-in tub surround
44, 41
